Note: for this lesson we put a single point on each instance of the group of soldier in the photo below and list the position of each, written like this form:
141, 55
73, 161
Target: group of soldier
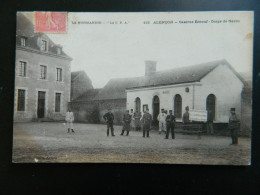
138, 121
166, 123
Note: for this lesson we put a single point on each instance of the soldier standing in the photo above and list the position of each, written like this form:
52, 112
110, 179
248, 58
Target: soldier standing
109, 118
146, 120
137, 117
170, 123
127, 120
69, 120
161, 118
234, 125
186, 118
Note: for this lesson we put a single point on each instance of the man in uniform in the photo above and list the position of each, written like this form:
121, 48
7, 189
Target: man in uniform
186, 118
161, 118
234, 126
170, 124
137, 117
109, 118
127, 120
146, 121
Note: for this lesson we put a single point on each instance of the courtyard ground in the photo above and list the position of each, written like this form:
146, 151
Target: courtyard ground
49, 142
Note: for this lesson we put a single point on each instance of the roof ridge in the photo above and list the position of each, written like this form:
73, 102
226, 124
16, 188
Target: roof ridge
201, 64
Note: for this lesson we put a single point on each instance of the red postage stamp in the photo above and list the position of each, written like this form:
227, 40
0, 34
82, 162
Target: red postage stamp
50, 22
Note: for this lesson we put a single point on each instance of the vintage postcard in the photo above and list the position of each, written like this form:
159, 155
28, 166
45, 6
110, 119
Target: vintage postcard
147, 87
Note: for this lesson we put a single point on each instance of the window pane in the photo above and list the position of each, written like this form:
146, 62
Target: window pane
59, 74
44, 45
22, 69
43, 72
21, 100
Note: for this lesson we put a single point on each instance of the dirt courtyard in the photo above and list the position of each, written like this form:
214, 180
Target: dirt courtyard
40, 142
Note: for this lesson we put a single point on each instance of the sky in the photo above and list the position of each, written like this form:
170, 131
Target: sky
108, 50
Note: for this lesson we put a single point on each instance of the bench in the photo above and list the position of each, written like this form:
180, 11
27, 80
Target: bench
189, 129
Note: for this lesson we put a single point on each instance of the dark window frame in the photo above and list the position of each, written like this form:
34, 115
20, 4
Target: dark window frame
57, 102
43, 72
44, 45
59, 74
22, 68
21, 100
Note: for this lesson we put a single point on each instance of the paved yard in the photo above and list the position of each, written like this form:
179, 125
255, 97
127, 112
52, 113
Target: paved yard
50, 142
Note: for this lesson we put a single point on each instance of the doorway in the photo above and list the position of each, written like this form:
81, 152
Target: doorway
211, 104
138, 104
156, 110
41, 104
177, 106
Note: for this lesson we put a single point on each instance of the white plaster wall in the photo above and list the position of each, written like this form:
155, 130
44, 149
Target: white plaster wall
165, 94
221, 82
227, 88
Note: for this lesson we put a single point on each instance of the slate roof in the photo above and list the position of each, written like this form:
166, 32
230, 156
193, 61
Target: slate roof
25, 28
89, 95
115, 88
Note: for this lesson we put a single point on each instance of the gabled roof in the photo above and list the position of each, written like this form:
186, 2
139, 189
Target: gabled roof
89, 95
115, 88
25, 28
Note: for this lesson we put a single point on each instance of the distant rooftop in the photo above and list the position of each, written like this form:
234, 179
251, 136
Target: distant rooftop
116, 88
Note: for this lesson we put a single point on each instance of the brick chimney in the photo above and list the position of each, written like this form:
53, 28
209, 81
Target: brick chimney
150, 67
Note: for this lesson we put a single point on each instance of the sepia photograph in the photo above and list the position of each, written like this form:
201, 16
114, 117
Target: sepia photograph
135, 87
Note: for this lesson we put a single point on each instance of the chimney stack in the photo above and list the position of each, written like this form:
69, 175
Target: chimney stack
150, 67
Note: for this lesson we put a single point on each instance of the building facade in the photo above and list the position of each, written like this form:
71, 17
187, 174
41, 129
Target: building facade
80, 83
211, 86
42, 75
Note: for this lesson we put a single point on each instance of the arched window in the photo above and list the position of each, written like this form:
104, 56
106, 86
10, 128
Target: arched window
138, 104
177, 106
211, 105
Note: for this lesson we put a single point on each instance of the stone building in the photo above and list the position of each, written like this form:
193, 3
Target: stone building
85, 107
42, 75
80, 83
214, 86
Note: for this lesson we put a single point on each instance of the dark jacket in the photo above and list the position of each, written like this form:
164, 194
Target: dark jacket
233, 122
147, 119
127, 118
170, 120
109, 117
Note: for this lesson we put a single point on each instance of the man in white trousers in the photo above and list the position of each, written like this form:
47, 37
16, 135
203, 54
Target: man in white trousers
69, 120
162, 123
